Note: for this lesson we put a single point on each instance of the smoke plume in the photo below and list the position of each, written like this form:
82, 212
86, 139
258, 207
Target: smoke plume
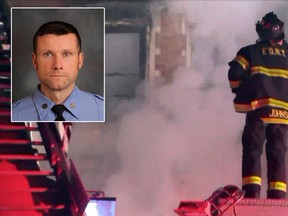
182, 141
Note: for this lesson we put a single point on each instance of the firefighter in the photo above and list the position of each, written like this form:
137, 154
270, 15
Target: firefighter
258, 76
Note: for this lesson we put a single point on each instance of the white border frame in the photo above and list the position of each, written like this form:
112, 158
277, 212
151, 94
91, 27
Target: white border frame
104, 69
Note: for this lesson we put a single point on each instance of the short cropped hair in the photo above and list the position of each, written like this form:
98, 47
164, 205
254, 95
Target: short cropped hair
57, 28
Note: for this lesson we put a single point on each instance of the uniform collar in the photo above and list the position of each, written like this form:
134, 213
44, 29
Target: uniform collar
44, 104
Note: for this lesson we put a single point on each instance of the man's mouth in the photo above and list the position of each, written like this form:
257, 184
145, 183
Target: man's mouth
57, 75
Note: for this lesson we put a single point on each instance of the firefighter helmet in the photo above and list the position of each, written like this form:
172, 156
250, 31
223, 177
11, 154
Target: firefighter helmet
270, 28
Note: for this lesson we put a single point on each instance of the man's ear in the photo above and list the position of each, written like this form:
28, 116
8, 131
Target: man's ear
81, 59
34, 61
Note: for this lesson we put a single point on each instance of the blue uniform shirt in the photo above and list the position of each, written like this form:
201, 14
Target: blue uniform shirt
82, 106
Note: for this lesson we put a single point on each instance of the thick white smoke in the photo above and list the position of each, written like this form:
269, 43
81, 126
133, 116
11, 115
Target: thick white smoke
183, 140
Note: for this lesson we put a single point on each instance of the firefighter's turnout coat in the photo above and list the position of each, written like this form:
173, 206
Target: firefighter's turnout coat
258, 76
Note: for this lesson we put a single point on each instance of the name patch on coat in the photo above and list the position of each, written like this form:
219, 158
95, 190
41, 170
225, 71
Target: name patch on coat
275, 113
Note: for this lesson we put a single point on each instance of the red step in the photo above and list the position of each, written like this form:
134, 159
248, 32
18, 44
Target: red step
19, 142
10, 127
5, 86
30, 190
5, 100
22, 157
28, 172
39, 207
5, 113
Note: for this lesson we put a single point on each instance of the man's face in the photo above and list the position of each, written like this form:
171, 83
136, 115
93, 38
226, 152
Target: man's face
57, 61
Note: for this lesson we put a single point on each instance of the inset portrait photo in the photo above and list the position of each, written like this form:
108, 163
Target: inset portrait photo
57, 57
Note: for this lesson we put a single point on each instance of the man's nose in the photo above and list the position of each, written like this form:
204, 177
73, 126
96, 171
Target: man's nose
57, 63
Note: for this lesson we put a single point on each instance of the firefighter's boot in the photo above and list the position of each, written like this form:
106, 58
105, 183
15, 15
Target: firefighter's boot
252, 191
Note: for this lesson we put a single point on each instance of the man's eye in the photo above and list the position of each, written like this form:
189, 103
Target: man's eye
47, 54
66, 54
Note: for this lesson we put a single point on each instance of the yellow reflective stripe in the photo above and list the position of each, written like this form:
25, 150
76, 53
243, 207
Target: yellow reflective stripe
277, 186
256, 104
269, 71
251, 180
268, 101
235, 84
275, 121
242, 61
